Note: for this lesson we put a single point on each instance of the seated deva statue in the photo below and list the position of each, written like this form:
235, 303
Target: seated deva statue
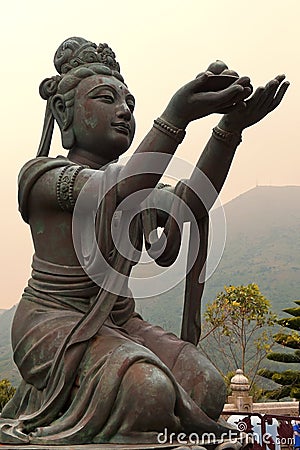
93, 371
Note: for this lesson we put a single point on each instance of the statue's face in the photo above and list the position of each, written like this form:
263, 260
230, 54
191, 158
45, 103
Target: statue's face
103, 121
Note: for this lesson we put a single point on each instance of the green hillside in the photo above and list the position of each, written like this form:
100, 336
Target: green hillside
7, 367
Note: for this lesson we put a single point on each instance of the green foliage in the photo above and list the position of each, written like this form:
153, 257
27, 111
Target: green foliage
288, 340
293, 323
284, 357
286, 378
266, 373
238, 304
239, 323
256, 392
292, 311
277, 394
289, 379
6, 392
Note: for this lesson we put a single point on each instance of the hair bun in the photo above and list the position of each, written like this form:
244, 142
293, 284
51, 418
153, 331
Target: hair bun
77, 51
48, 87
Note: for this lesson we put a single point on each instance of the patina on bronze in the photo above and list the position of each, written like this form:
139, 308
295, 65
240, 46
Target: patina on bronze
93, 370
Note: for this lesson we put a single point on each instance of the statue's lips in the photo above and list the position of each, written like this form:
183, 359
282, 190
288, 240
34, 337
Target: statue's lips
122, 127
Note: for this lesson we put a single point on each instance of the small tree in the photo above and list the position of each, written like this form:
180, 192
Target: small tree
289, 379
238, 330
6, 392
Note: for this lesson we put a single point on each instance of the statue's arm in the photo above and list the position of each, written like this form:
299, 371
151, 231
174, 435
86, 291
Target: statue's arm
215, 161
58, 189
191, 102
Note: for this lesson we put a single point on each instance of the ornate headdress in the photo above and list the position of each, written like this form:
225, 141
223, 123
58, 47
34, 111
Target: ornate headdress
73, 53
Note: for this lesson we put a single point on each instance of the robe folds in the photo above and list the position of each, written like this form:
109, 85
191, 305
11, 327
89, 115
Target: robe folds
76, 333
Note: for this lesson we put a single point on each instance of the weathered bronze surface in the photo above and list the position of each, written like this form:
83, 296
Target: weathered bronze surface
94, 372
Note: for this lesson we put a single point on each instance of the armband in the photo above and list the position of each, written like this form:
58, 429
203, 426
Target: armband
65, 187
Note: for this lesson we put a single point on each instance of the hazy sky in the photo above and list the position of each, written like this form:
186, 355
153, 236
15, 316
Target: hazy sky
160, 45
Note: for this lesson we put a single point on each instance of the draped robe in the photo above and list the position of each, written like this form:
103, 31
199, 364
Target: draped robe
74, 341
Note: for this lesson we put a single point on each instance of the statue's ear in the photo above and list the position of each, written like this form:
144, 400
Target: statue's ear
63, 117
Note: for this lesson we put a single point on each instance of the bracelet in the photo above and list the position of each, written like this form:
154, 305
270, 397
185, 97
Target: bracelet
228, 137
175, 133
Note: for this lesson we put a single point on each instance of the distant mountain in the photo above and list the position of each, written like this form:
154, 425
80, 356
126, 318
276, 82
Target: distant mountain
262, 246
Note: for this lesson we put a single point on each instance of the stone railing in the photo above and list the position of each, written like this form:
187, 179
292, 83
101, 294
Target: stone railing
240, 400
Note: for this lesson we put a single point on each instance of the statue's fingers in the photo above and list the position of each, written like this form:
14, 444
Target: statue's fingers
246, 83
243, 81
199, 74
230, 95
197, 84
257, 97
267, 96
280, 94
272, 96
275, 82
271, 87
248, 91
280, 78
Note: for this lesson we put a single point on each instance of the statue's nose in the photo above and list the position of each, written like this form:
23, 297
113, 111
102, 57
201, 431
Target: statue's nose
123, 111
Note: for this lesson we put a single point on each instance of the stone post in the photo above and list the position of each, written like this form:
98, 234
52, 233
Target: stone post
240, 397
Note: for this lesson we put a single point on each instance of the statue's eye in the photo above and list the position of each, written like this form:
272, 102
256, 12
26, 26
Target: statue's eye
131, 105
130, 102
109, 98
103, 94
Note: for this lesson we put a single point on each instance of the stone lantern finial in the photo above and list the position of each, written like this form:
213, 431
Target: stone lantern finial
240, 387
239, 383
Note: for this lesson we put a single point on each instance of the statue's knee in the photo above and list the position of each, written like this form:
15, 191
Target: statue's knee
151, 383
152, 398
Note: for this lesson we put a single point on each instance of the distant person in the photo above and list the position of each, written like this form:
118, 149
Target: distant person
296, 430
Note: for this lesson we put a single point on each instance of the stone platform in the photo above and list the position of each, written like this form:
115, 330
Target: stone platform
226, 445
98, 447
223, 446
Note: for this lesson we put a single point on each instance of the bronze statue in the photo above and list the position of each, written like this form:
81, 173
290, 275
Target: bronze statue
93, 370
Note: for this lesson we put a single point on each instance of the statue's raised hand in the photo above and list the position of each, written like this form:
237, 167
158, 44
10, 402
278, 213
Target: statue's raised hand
263, 101
200, 97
